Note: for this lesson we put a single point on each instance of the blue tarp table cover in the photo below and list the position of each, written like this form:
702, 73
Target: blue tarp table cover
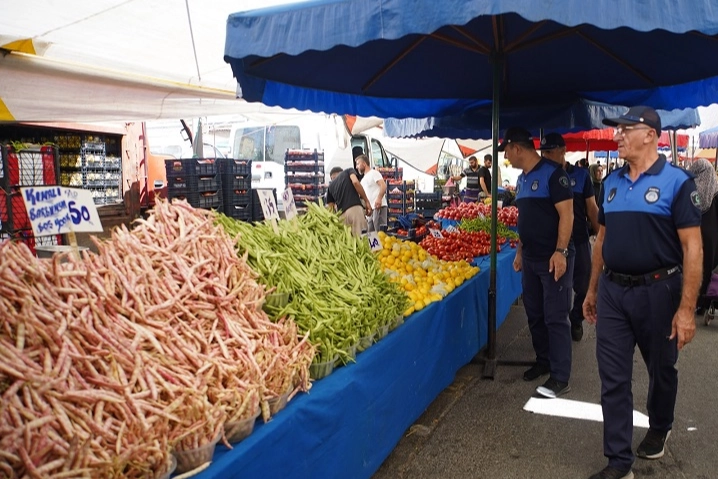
351, 420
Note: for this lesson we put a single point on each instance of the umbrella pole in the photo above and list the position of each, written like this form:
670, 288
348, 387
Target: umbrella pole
490, 364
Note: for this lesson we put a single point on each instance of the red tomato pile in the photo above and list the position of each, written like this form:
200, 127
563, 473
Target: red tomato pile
508, 215
464, 210
458, 245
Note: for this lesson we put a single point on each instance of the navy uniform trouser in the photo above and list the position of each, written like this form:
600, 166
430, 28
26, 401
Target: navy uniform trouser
628, 316
547, 302
581, 278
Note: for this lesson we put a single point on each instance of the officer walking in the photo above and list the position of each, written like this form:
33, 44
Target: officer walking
544, 254
644, 285
585, 210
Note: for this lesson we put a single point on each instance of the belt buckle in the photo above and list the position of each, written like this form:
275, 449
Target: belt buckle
635, 280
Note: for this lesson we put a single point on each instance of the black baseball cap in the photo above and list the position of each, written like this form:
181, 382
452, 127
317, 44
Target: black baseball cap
515, 134
552, 141
637, 114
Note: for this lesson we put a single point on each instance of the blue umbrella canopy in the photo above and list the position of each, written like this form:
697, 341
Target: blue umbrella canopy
708, 138
421, 58
476, 124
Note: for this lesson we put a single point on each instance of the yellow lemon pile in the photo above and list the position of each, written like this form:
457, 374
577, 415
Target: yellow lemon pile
424, 277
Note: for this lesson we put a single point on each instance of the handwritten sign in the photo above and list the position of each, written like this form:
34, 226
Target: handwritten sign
451, 229
374, 242
269, 206
436, 233
290, 207
58, 210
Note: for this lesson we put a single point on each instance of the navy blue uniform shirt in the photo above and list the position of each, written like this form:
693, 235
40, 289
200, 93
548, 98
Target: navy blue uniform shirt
641, 218
537, 193
582, 187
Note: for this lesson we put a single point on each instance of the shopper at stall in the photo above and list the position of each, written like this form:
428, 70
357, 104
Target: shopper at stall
596, 173
545, 255
473, 185
644, 284
707, 186
585, 213
375, 188
485, 177
345, 194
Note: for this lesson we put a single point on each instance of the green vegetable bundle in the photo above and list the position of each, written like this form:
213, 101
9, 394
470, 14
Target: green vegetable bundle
337, 289
484, 224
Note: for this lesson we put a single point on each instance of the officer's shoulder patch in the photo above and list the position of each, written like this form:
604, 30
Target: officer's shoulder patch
563, 181
696, 199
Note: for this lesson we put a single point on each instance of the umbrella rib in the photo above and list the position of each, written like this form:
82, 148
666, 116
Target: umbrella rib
391, 64
482, 45
515, 46
526, 34
618, 59
477, 49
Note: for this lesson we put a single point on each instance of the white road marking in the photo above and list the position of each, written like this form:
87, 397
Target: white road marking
576, 410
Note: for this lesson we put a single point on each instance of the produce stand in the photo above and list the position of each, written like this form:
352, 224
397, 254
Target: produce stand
351, 420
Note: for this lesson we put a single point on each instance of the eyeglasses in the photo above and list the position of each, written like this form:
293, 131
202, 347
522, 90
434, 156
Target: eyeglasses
623, 129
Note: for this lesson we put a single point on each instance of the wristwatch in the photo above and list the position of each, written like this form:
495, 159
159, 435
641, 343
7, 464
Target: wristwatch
563, 251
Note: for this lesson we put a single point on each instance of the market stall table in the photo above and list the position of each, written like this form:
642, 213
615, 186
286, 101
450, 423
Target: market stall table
351, 420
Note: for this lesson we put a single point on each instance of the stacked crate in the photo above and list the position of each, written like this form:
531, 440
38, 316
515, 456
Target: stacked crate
304, 174
196, 180
36, 166
237, 187
391, 173
428, 204
400, 196
87, 165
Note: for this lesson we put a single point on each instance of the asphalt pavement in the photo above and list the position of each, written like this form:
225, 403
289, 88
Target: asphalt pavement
477, 428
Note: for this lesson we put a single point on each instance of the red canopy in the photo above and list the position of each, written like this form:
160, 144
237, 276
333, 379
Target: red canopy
602, 140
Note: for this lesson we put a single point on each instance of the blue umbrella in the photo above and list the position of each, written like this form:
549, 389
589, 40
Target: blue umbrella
423, 58
476, 124
708, 138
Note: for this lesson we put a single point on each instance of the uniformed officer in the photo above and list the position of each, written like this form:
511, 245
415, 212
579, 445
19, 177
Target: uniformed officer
644, 285
585, 210
473, 185
545, 255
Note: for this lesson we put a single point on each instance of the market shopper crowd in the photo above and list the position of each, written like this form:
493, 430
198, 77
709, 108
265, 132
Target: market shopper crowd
656, 237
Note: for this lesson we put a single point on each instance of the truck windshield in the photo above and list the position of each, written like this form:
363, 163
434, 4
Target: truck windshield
249, 143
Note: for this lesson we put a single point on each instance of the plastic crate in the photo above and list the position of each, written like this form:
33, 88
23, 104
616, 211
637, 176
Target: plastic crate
236, 167
238, 197
191, 166
192, 197
182, 182
236, 182
210, 201
309, 178
297, 166
31, 167
208, 183
303, 155
13, 215
240, 212
305, 190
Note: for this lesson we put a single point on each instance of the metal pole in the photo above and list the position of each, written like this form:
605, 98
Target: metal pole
490, 364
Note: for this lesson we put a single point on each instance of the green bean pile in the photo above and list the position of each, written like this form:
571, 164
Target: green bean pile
337, 289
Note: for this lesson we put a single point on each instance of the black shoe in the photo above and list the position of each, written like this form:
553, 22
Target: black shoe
552, 389
653, 445
576, 331
612, 473
536, 371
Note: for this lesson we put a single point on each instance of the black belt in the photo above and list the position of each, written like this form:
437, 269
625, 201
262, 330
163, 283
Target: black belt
641, 279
